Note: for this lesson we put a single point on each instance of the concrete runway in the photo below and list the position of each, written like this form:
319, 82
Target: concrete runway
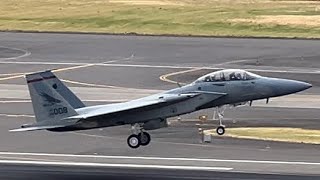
106, 69
74, 172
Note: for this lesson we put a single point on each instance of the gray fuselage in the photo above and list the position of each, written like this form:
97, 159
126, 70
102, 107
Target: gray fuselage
237, 91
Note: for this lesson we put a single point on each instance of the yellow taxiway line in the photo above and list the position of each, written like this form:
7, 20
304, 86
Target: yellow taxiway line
165, 77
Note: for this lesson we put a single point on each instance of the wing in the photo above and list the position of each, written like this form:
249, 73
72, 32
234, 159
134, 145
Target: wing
47, 125
151, 102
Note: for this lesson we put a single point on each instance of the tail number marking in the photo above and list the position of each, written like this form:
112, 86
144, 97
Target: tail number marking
56, 111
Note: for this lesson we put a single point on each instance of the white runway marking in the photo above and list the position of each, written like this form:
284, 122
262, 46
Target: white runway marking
26, 53
84, 100
15, 101
85, 164
76, 66
42, 63
233, 62
30, 159
92, 85
11, 74
163, 158
121, 59
291, 70
20, 75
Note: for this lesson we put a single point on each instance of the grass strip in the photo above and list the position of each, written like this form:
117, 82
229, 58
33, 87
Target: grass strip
258, 18
296, 135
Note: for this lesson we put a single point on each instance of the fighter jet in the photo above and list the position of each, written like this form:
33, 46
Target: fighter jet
57, 109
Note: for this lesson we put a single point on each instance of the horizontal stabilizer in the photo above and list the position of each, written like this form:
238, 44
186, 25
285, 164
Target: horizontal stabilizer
46, 125
34, 128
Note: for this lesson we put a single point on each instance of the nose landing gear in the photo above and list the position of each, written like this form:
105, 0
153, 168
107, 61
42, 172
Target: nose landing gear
221, 128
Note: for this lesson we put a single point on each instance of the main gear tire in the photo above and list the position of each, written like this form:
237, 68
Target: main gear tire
134, 141
145, 138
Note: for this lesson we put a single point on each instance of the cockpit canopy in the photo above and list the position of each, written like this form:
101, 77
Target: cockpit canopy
228, 75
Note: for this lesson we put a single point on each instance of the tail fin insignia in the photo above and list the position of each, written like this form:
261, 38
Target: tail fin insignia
49, 100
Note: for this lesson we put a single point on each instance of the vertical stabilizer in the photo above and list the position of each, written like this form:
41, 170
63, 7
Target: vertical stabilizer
48, 103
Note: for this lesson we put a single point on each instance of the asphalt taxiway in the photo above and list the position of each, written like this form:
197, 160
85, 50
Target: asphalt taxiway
107, 69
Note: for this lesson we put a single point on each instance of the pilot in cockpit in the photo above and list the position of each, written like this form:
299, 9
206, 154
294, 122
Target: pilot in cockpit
227, 75
232, 76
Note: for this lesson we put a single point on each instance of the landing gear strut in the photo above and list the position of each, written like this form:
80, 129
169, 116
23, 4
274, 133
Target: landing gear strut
139, 137
220, 111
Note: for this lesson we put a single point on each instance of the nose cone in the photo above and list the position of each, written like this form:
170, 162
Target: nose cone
303, 85
297, 86
285, 86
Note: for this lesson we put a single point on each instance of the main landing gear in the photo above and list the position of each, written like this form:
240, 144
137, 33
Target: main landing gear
139, 137
220, 112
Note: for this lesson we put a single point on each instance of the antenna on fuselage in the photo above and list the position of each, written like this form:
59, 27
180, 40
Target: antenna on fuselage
179, 84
